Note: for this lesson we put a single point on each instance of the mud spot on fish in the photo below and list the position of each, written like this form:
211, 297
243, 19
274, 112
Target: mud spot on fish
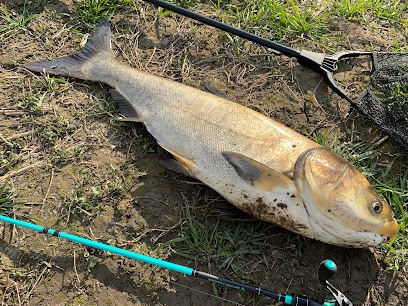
282, 205
261, 208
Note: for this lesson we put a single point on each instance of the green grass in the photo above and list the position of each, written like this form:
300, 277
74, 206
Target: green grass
41, 89
229, 245
395, 96
278, 19
8, 202
56, 129
63, 156
82, 205
6, 199
350, 9
30, 10
365, 11
90, 12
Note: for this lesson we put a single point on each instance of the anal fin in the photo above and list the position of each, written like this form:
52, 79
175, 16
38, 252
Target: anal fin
173, 165
126, 108
186, 162
257, 174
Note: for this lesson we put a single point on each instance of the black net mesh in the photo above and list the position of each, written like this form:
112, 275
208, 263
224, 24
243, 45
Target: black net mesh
385, 99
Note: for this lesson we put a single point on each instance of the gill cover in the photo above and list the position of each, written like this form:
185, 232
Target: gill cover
338, 191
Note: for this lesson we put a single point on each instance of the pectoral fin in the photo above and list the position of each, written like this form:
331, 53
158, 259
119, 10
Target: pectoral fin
211, 89
186, 162
257, 174
126, 108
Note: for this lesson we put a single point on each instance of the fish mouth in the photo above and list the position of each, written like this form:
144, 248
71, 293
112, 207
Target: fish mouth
390, 229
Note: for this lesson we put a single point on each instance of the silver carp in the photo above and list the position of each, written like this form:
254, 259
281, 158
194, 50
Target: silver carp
259, 165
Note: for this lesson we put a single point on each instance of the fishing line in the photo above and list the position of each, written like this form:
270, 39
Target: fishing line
206, 293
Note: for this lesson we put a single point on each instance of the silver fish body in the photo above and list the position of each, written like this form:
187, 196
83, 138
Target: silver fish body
257, 164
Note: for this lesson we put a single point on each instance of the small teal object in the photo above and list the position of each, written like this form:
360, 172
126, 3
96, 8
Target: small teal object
288, 299
330, 264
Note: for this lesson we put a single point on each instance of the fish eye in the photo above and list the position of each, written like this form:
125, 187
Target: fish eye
377, 206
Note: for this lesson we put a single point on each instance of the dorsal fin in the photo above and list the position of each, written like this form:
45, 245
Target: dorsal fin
257, 174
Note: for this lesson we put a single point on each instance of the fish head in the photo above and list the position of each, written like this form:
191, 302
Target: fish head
341, 202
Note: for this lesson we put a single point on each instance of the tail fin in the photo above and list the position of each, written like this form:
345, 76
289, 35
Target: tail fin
99, 41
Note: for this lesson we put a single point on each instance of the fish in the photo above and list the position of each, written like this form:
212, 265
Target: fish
259, 165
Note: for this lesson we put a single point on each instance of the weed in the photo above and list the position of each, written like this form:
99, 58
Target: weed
350, 9
52, 83
80, 204
393, 187
393, 11
6, 199
150, 144
32, 102
51, 131
279, 19
90, 12
186, 3
46, 85
400, 48
30, 10
63, 156
106, 106
8, 202
396, 97
227, 245
7, 156
364, 10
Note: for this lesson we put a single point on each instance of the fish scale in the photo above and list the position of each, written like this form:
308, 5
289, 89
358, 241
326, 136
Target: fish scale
259, 165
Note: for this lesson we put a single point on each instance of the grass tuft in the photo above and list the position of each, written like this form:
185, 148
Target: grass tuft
30, 10
364, 11
90, 12
229, 246
8, 202
276, 20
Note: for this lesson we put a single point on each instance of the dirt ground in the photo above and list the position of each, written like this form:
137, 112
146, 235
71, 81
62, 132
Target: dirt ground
85, 172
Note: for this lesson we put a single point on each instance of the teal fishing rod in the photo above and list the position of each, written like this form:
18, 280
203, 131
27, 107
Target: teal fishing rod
288, 299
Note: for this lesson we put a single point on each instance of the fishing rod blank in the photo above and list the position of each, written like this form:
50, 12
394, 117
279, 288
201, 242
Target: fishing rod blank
293, 299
